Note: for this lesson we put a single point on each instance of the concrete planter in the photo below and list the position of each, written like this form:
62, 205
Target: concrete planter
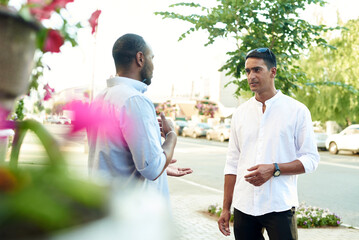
17, 48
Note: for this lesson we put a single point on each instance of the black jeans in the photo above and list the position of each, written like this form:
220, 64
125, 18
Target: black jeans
279, 225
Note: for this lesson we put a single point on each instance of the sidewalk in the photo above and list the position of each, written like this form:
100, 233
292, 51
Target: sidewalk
190, 204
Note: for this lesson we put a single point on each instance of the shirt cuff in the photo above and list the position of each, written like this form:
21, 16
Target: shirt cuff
153, 170
310, 163
229, 170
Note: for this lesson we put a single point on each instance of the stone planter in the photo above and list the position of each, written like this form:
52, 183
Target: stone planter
17, 48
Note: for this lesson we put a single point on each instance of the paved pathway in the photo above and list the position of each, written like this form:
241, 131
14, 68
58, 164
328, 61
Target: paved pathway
190, 203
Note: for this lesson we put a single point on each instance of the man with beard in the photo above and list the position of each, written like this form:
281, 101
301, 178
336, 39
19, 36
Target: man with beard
131, 151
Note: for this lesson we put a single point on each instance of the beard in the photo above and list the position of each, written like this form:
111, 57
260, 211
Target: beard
146, 74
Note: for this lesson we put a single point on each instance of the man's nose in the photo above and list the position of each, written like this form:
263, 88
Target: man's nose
251, 75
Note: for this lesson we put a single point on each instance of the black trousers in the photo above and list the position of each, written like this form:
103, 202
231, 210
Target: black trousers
279, 226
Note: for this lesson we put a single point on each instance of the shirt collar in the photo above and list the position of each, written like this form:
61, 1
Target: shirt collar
139, 86
274, 98
269, 101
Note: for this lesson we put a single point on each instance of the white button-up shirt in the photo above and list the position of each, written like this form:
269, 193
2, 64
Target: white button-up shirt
282, 134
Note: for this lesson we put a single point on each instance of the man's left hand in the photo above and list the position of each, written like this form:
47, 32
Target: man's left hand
165, 125
259, 174
176, 171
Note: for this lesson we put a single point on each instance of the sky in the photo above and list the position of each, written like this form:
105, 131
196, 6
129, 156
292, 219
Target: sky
178, 65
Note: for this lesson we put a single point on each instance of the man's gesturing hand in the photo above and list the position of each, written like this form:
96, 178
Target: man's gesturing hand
259, 174
165, 125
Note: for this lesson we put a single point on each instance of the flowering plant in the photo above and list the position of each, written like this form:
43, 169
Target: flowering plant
50, 38
215, 209
167, 108
55, 29
206, 109
307, 216
36, 202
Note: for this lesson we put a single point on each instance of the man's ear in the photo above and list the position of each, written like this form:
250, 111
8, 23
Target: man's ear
140, 59
273, 71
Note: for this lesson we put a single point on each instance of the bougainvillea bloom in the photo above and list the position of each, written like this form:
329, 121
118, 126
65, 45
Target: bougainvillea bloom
57, 4
47, 96
94, 20
53, 41
48, 88
4, 123
38, 8
42, 9
91, 116
48, 92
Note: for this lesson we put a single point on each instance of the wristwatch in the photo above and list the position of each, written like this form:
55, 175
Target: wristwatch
276, 172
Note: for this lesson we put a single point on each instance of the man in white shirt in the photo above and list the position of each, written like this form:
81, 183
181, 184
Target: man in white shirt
272, 141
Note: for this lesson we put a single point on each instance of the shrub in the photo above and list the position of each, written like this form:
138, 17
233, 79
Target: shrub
307, 216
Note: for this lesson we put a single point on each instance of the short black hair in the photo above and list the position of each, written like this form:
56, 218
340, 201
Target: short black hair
125, 49
264, 53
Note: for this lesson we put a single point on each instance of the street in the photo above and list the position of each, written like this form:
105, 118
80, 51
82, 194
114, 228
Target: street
334, 185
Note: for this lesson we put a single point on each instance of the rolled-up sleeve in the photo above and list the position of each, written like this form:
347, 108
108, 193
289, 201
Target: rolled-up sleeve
307, 151
141, 131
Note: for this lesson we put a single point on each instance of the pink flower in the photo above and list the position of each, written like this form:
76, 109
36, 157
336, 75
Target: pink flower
91, 116
42, 9
4, 123
58, 4
48, 92
94, 20
86, 95
47, 96
53, 41
38, 9
48, 88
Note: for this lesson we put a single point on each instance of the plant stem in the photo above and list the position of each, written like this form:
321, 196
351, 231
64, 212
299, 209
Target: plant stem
48, 141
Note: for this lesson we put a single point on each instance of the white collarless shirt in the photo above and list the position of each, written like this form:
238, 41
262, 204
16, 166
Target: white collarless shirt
282, 134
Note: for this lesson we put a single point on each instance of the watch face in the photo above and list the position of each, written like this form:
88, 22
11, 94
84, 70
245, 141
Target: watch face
276, 173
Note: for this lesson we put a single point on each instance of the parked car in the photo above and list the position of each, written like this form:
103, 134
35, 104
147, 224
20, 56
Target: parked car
320, 138
348, 139
320, 135
219, 132
52, 120
64, 120
58, 120
196, 130
179, 125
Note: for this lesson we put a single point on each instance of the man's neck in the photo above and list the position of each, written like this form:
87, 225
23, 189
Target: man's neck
262, 97
131, 75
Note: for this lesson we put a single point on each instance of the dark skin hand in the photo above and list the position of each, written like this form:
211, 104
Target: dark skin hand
174, 171
166, 127
223, 221
259, 174
169, 144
